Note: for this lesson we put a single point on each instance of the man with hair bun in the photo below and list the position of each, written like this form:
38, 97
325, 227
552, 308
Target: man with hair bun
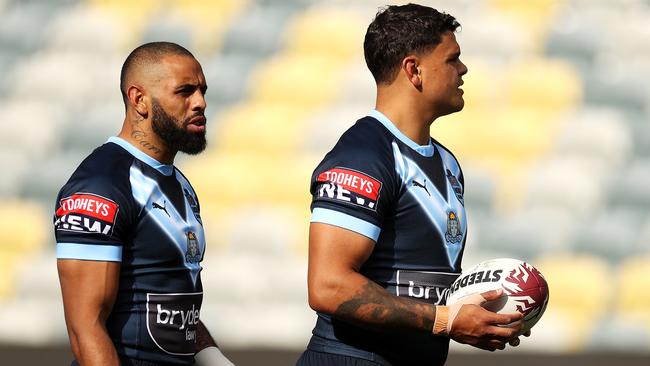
388, 224
128, 227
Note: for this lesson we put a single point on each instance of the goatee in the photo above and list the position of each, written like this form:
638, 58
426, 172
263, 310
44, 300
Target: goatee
173, 132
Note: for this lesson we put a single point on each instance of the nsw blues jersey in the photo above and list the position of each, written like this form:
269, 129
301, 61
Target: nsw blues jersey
407, 198
121, 205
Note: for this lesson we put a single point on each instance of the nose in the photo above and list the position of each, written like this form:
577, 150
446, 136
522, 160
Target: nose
463, 69
198, 101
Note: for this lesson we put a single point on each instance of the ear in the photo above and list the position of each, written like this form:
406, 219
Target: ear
137, 100
410, 65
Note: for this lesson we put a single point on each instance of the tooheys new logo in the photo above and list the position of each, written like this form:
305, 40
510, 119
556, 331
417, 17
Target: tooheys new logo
86, 212
477, 277
172, 321
347, 185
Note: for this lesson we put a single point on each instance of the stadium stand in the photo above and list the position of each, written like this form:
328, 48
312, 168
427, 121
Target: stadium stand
554, 142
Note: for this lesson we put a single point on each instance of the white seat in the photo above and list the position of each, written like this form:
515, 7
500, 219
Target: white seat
599, 133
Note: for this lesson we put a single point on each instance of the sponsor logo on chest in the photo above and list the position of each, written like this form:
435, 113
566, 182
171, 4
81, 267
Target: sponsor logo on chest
86, 212
430, 287
351, 186
172, 320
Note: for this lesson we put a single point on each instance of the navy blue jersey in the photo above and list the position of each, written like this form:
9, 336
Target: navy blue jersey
122, 205
407, 198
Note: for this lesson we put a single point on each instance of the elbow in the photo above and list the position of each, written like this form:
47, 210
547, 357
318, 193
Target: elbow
324, 294
318, 303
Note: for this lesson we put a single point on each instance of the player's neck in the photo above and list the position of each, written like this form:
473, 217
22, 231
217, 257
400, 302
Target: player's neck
406, 117
142, 138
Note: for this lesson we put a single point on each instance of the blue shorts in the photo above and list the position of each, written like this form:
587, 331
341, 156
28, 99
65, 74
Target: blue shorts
315, 358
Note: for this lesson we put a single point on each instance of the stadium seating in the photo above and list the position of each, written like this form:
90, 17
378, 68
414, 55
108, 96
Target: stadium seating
23, 232
554, 142
633, 289
576, 294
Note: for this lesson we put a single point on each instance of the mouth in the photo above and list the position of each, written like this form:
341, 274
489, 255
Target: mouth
197, 124
198, 121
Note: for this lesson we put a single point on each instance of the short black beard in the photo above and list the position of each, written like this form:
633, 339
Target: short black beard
173, 133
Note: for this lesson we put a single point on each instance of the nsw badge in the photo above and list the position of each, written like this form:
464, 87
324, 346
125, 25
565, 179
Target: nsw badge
454, 233
193, 253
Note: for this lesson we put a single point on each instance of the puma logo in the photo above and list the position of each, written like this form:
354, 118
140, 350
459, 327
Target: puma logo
421, 185
163, 207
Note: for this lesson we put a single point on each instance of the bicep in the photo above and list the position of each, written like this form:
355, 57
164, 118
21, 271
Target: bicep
89, 288
335, 258
332, 248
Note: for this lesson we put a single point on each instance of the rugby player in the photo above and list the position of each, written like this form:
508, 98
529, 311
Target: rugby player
129, 234
388, 223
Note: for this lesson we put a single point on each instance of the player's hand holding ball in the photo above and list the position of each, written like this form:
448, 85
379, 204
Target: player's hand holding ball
468, 322
494, 302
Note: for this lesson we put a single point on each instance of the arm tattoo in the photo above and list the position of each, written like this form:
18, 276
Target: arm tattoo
203, 337
375, 308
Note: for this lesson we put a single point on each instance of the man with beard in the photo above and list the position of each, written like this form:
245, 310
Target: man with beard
129, 234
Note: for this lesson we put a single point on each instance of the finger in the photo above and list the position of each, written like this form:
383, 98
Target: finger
505, 319
514, 342
495, 345
502, 334
527, 333
492, 295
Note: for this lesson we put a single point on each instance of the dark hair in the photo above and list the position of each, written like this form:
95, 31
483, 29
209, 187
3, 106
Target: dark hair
398, 31
148, 53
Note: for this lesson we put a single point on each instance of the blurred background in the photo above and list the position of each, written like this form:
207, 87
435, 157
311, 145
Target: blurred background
554, 142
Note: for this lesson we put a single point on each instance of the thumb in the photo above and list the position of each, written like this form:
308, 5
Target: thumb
491, 295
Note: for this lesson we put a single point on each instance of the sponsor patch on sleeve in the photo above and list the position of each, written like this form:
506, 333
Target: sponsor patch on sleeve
86, 212
350, 186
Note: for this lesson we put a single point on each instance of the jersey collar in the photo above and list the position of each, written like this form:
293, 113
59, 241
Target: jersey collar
424, 150
165, 169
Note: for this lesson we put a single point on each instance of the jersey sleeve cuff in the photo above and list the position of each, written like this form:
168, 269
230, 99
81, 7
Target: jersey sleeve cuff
91, 252
345, 221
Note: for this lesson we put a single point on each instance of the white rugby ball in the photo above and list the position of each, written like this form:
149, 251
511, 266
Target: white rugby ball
525, 289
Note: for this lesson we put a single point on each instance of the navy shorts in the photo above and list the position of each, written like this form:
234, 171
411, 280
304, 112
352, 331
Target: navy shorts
315, 358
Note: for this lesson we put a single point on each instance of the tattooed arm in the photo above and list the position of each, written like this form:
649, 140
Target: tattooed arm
337, 288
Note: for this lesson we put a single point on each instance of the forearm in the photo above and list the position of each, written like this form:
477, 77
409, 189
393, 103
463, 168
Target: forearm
208, 353
92, 346
203, 337
360, 301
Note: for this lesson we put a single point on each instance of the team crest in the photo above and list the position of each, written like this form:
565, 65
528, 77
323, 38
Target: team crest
454, 234
193, 254
455, 185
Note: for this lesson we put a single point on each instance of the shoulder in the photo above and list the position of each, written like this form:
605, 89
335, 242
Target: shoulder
103, 172
366, 140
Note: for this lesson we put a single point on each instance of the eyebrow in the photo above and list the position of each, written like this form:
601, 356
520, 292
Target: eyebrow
189, 86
